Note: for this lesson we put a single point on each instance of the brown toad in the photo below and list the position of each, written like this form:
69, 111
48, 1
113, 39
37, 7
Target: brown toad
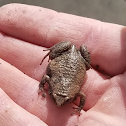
65, 73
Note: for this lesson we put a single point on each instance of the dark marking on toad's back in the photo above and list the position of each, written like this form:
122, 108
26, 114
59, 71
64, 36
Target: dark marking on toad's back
65, 73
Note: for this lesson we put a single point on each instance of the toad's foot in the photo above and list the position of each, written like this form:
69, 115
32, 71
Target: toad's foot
78, 109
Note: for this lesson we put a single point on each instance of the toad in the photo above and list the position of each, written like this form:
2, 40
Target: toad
65, 73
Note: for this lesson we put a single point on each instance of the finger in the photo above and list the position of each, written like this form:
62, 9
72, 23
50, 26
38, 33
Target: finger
24, 56
106, 42
53, 26
12, 115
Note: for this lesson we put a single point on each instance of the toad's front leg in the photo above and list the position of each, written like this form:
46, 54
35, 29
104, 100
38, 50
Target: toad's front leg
82, 103
45, 79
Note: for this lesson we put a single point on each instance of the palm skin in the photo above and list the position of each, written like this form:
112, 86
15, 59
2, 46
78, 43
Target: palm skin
25, 32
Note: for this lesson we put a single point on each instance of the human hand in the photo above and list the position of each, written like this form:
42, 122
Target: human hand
25, 32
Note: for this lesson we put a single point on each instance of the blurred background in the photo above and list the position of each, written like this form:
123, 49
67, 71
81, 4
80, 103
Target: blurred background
113, 11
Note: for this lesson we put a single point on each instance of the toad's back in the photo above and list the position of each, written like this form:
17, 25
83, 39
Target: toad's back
67, 72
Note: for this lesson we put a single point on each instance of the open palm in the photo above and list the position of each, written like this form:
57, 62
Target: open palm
24, 32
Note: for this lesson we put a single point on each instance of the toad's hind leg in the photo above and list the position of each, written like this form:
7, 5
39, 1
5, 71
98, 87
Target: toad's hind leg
45, 79
57, 50
86, 55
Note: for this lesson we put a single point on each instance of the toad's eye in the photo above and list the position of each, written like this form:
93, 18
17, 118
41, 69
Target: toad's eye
67, 99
